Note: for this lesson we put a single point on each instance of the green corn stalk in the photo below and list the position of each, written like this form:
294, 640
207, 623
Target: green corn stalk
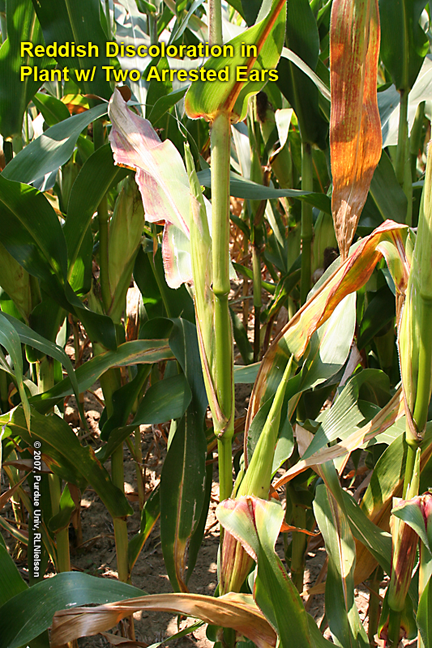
256, 481
119, 244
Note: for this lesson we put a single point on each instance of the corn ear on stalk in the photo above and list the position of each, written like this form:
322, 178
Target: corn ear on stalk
15, 280
124, 240
415, 334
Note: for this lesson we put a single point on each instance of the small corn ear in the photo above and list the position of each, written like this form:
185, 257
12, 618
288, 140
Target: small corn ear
124, 240
415, 335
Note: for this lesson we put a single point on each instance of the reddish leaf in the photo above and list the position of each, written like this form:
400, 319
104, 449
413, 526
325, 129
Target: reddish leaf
355, 127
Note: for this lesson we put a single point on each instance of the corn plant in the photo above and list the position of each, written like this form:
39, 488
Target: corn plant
133, 182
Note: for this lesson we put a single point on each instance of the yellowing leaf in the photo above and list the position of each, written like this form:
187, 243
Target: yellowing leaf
387, 241
355, 127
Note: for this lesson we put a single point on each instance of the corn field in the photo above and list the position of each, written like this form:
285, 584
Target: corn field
201, 200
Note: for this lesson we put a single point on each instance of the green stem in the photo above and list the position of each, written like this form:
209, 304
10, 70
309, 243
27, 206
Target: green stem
374, 605
103, 221
108, 19
215, 26
409, 469
224, 355
8, 150
45, 382
120, 525
4, 383
394, 628
110, 382
403, 165
306, 222
298, 548
402, 137
415, 139
256, 268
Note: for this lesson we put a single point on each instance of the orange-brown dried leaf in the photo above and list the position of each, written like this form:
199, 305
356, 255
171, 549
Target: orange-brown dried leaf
355, 127
237, 611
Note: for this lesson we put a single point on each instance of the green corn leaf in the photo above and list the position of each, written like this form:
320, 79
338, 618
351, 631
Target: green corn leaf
9, 339
303, 39
183, 475
341, 610
29, 613
128, 353
241, 188
404, 44
230, 95
36, 341
52, 109
11, 582
78, 21
256, 524
52, 149
22, 26
165, 400
66, 508
386, 192
96, 178
424, 615
388, 103
69, 459
31, 231
149, 516
15, 281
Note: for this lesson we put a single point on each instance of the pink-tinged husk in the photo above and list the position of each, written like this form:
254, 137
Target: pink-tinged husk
404, 543
355, 126
235, 564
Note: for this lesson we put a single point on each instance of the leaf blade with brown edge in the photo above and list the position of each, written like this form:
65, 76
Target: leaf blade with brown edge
205, 99
355, 127
294, 338
237, 611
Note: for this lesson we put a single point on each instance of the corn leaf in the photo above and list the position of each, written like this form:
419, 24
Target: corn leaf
341, 609
36, 341
424, 615
355, 128
11, 582
381, 422
97, 176
22, 25
30, 612
205, 99
52, 149
304, 42
242, 188
387, 240
128, 353
162, 180
31, 231
67, 457
404, 44
256, 523
9, 339
77, 21
237, 611
182, 491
